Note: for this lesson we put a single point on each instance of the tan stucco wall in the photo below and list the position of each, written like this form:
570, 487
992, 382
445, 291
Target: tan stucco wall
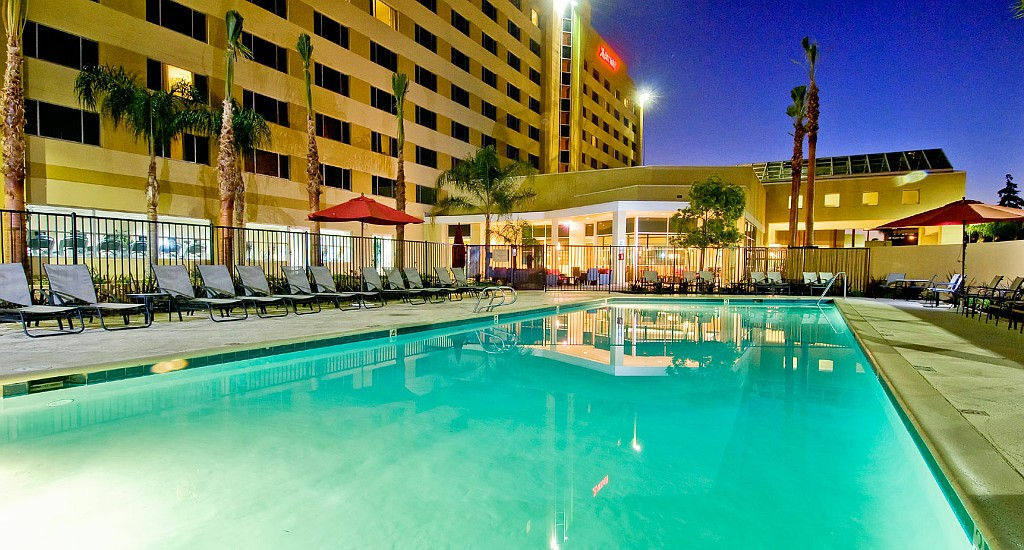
984, 260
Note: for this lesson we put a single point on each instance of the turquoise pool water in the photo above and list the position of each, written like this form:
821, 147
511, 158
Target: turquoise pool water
683, 426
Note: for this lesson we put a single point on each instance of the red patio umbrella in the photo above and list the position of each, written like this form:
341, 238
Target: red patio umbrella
364, 210
962, 212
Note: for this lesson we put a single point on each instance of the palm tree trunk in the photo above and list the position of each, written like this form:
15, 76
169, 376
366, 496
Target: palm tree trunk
152, 202
226, 164
487, 243
400, 197
239, 211
313, 188
812, 149
796, 165
14, 153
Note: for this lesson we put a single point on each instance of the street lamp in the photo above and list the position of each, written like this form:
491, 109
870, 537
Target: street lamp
644, 97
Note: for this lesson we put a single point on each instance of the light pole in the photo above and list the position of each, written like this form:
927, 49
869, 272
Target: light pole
644, 98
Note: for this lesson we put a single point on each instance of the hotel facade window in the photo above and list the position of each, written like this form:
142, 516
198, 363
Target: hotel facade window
383, 57
338, 178
59, 122
271, 109
426, 157
177, 17
385, 13
869, 198
276, 7
426, 39
331, 128
330, 79
55, 46
330, 29
266, 53
384, 187
426, 78
268, 164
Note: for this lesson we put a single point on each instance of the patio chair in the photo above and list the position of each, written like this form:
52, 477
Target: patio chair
16, 306
456, 290
71, 285
691, 282
996, 304
975, 296
778, 284
436, 294
173, 280
323, 281
952, 288
463, 281
824, 278
652, 281
299, 284
706, 281
254, 283
374, 284
217, 283
397, 282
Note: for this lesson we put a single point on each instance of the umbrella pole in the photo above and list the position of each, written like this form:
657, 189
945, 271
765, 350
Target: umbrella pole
963, 264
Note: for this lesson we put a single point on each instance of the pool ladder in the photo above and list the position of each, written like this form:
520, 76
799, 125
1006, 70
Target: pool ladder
495, 296
828, 287
497, 340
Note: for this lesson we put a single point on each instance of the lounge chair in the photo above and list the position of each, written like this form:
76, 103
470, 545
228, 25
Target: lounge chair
691, 282
217, 283
71, 285
173, 280
952, 288
652, 281
976, 296
778, 284
463, 281
323, 282
16, 305
706, 281
397, 282
437, 294
824, 278
374, 284
446, 281
997, 303
299, 285
254, 282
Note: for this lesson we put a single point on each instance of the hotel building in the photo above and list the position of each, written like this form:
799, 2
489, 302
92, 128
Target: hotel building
530, 78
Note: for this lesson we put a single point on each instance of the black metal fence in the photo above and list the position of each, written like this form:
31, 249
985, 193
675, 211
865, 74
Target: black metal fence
120, 251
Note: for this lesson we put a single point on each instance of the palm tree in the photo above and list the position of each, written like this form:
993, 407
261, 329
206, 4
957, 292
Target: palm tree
811, 53
797, 111
1018, 9
400, 85
313, 183
13, 133
480, 183
156, 116
228, 178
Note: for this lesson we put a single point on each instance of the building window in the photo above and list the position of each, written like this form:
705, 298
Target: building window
266, 53
512, 152
799, 202
460, 60
379, 99
377, 144
512, 91
534, 18
460, 23
487, 141
460, 131
425, 117
426, 79
177, 17
534, 76
339, 178
535, 105
460, 96
912, 196
383, 57
276, 7
534, 161
385, 14
330, 29
330, 79
195, 149
59, 122
869, 198
535, 47
489, 43
426, 39
831, 200
488, 110
513, 29
426, 195
429, 4
426, 157
384, 187
267, 163
534, 133
332, 128
48, 44
512, 122
489, 10
269, 108
489, 77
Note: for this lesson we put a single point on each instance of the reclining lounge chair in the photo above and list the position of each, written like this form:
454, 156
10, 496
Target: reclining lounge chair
71, 285
446, 281
436, 294
323, 281
174, 281
16, 305
217, 283
374, 284
299, 284
254, 282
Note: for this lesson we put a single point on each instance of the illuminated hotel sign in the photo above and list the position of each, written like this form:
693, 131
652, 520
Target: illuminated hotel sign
608, 56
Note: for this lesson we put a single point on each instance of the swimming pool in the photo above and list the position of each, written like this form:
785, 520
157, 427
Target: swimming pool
631, 425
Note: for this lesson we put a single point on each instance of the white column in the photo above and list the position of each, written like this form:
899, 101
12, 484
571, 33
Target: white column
619, 242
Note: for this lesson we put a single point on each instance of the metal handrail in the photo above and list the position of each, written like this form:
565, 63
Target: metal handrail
846, 282
496, 296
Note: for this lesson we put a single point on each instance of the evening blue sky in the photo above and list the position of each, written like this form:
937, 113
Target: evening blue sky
893, 75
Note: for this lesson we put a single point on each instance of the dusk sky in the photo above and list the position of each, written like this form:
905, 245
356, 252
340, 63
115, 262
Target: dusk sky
893, 75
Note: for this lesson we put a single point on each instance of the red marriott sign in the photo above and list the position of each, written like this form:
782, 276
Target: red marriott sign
608, 56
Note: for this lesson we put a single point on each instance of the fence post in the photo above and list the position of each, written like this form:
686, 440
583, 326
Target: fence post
74, 238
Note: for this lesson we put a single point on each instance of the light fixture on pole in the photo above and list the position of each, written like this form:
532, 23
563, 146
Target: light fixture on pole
644, 97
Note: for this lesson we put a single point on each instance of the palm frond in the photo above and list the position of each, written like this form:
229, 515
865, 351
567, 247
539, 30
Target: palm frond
1018, 9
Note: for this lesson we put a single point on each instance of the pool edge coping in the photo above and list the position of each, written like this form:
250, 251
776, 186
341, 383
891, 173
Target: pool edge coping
974, 469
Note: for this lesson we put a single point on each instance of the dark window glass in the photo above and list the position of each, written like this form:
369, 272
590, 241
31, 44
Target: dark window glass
460, 60
379, 99
534, 105
383, 57
535, 47
563, 157
339, 178
460, 96
489, 43
534, 76
202, 84
268, 164
489, 10
426, 79
426, 39
384, 187
177, 17
269, 108
59, 122
195, 149
266, 53
330, 29
154, 75
512, 152
460, 23
487, 141
460, 131
332, 128
513, 29
488, 77
429, 4
426, 195
512, 122
534, 133
518, 4
49, 44
328, 78
513, 61
534, 161
426, 118
276, 7
426, 157
512, 91
488, 110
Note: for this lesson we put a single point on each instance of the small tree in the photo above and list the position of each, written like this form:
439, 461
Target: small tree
314, 189
1009, 195
400, 87
712, 216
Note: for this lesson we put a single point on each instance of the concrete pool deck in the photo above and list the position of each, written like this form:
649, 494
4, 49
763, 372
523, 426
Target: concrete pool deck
960, 381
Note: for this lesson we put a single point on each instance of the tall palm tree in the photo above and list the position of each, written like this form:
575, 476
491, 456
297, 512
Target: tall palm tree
13, 132
480, 183
1018, 9
156, 116
313, 183
797, 111
228, 178
811, 53
400, 86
